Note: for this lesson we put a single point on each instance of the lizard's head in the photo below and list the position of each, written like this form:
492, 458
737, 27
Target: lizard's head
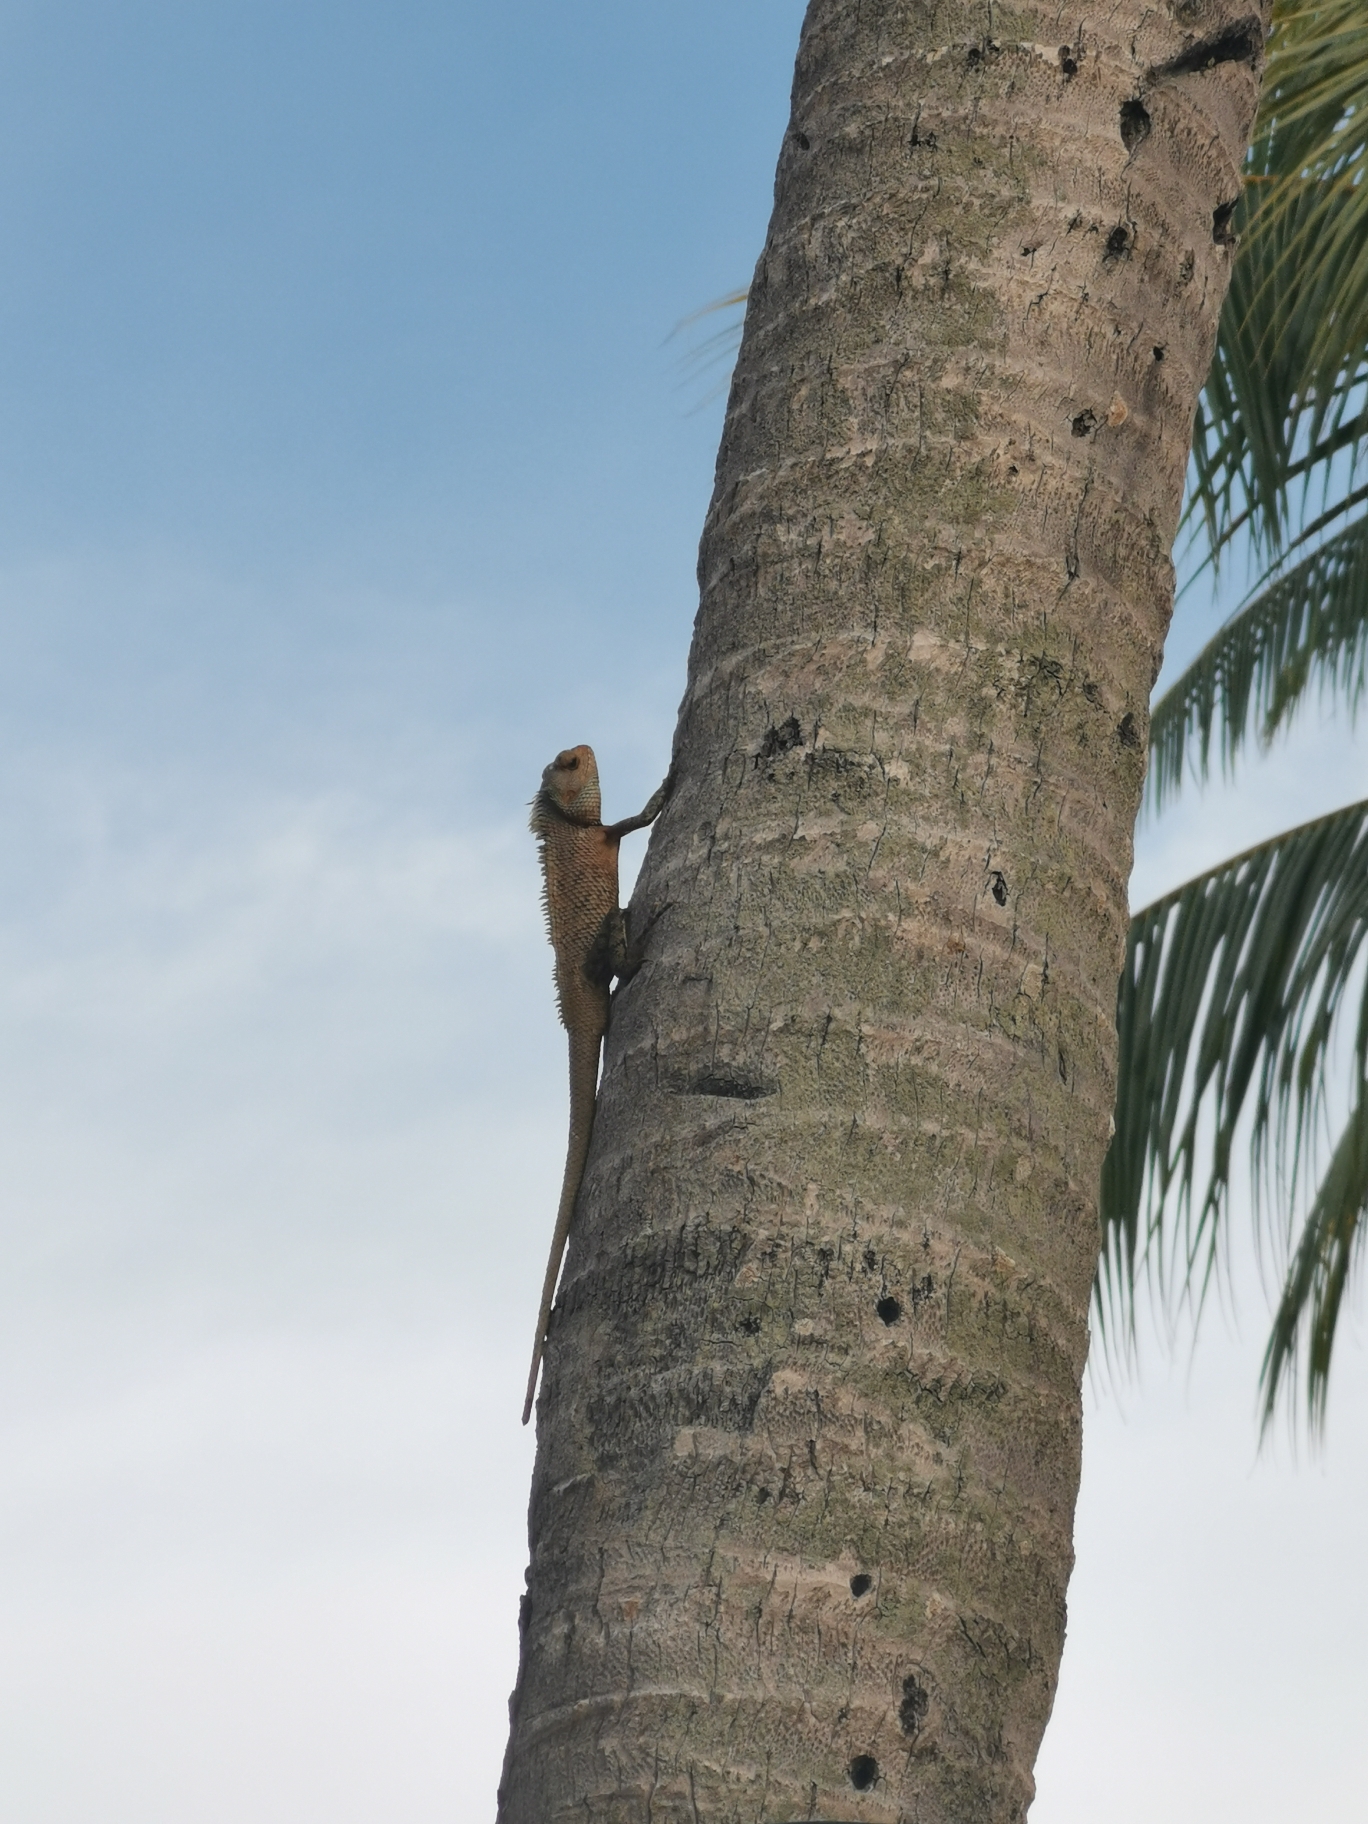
572, 783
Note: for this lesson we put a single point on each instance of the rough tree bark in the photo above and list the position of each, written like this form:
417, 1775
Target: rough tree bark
809, 1432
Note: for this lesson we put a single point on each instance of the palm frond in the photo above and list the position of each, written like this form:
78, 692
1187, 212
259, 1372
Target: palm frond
1226, 1010
1310, 625
1303, 1334
1285, 393
715, 352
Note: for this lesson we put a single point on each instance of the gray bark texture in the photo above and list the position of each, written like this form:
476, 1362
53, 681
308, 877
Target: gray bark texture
810, 1424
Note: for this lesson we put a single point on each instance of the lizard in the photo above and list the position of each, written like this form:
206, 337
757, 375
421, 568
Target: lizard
588, 932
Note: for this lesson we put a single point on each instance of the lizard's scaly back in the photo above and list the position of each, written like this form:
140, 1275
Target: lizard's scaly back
579, 882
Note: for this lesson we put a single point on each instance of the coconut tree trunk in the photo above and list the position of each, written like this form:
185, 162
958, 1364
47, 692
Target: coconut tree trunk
809, 1430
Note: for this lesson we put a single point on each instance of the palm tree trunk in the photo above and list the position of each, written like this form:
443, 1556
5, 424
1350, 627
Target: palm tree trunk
809, 1433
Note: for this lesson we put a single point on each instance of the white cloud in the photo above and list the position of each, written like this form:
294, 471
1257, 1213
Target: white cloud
280, 1112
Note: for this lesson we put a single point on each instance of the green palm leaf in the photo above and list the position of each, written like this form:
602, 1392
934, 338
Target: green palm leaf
1319, 1272
1284, 397
1226, 1011
1308, 626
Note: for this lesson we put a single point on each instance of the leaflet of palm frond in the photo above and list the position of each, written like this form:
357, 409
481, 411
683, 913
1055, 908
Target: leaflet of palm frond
1310, 625
1284, 394
1276, 410
1317, 137
721, 342
1226, 1010
731, 301
1302, 1340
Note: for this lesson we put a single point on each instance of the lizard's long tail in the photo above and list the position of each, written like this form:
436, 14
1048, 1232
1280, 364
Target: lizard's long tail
584, 1063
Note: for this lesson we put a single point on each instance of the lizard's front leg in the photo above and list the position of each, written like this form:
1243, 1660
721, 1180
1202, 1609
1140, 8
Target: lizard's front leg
647, 814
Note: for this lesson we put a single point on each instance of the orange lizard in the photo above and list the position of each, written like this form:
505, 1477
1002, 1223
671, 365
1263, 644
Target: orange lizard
588, 931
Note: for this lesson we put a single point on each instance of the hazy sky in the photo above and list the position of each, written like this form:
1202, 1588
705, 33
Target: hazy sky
347, 471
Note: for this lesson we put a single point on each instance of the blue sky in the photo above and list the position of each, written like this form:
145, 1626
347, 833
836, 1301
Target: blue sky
348, 469
343, 318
